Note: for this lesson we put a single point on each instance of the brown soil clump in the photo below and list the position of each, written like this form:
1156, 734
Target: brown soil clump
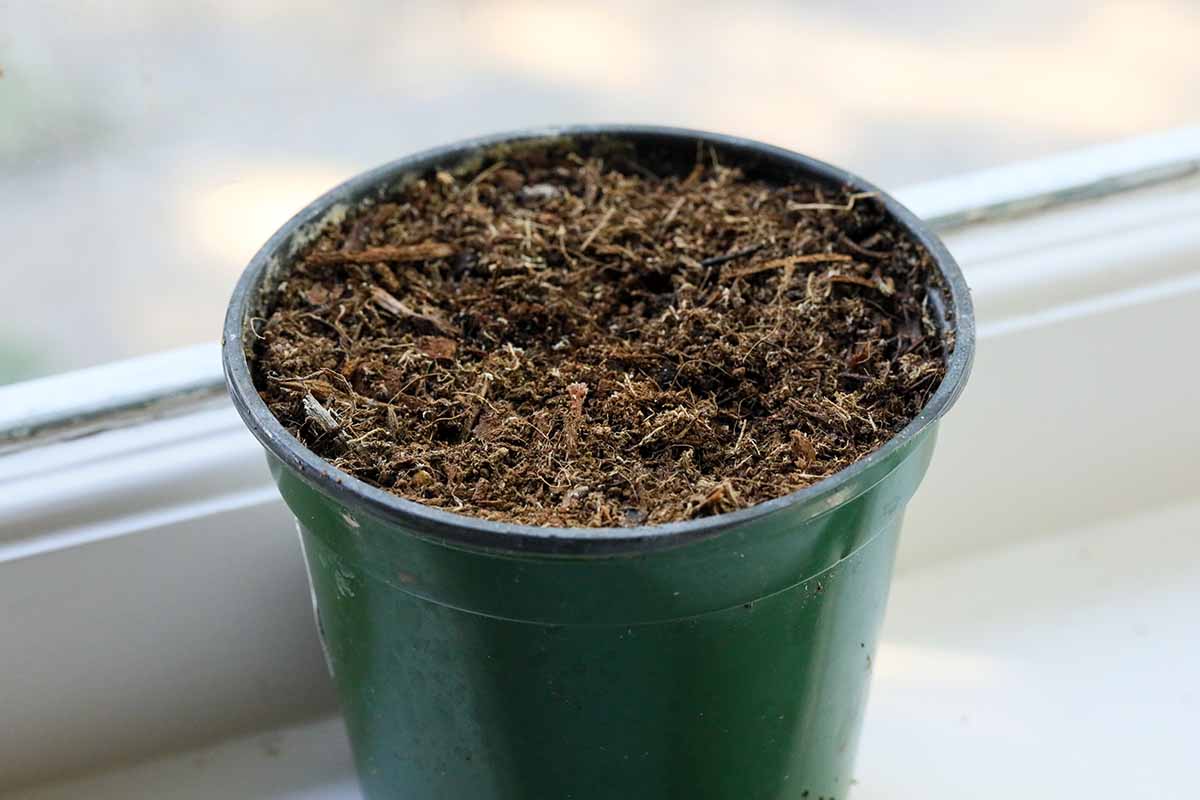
576, 341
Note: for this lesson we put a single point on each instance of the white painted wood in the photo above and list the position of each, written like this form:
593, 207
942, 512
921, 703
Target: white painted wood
1062, 667
71, 493
309, 761
170, 630
108, 396
1079, 311
1070, 255
1039, 184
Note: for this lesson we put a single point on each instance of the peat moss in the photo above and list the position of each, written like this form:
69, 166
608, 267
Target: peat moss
556, 339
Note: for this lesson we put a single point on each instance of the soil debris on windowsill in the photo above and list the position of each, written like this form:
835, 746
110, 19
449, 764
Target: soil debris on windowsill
572, 340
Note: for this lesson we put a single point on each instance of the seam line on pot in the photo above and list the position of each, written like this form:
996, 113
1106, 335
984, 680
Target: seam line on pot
541, 623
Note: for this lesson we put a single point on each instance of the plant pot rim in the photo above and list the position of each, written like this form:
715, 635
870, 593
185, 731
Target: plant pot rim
461, 529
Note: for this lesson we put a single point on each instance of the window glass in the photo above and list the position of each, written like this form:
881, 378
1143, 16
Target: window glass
147, 148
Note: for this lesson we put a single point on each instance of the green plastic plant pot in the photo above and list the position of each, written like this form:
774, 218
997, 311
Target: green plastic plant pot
724, 658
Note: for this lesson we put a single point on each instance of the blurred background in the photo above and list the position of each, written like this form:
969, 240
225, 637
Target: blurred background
148, 148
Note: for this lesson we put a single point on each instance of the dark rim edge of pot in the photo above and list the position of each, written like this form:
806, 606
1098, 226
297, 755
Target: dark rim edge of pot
453, 528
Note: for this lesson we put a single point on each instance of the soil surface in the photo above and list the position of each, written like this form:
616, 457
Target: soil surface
577, 341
